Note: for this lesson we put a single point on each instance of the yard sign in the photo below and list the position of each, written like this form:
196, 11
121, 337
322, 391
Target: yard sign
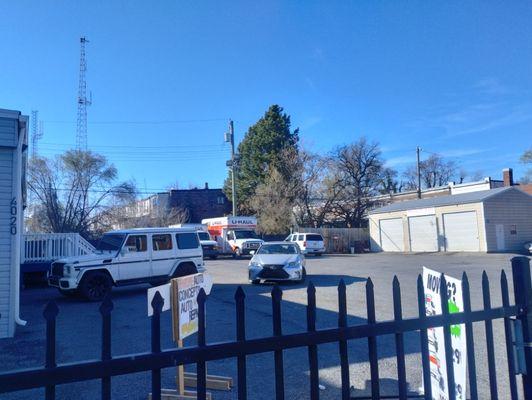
185, 306
433, 306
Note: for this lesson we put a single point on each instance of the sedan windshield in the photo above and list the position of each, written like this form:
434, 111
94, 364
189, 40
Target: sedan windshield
110, 242
246, 235
277, 249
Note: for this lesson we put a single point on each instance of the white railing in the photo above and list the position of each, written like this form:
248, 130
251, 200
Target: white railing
45, 247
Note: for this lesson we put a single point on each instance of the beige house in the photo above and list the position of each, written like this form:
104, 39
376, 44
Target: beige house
486, 221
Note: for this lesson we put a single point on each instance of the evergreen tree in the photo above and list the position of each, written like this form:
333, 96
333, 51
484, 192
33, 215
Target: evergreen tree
260, 152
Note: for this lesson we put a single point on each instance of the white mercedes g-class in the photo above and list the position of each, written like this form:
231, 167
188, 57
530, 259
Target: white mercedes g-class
125, 257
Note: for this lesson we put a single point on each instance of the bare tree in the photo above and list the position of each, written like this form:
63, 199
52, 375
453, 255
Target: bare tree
526, 158
74, 190
389, 183
435, 171
320, 187
359, 170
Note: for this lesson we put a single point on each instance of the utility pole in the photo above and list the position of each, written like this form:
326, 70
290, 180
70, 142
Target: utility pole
232, 164
418, 150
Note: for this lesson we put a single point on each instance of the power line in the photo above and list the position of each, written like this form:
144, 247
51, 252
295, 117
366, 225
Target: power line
140, 122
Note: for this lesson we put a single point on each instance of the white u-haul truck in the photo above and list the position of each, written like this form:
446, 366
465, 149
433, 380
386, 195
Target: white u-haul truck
235, 235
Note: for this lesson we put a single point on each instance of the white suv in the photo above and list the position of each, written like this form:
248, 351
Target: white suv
125, 257
309, 243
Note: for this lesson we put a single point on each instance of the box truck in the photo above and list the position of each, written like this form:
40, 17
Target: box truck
235, 235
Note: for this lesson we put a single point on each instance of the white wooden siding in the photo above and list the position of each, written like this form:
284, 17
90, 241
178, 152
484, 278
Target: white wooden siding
8, 131
511, 208
6, 194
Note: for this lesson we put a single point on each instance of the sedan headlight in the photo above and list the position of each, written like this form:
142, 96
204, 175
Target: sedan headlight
254, 264
67, 270
294, 264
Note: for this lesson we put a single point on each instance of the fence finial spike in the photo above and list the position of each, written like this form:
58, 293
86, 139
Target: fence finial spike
443, 287
107, 305
396, 281
369, 283
311, 288
503, 276
341, 284
277, 293
239, 293
157, 302
51, 310
202, 296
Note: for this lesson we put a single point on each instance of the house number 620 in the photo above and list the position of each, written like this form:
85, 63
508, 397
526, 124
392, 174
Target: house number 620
14, 211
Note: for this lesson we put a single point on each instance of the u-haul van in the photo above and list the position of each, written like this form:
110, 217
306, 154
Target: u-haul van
234, 235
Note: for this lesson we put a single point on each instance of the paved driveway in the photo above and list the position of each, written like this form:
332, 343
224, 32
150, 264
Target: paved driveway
79, 326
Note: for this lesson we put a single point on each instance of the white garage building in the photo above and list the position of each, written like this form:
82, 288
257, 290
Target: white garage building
489, 220
13, 146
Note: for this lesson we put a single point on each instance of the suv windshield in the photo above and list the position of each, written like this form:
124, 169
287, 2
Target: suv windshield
110, 242
277, 249
204, 236
246, 235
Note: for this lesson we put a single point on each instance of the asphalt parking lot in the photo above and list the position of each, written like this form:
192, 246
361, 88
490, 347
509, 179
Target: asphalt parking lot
79, 326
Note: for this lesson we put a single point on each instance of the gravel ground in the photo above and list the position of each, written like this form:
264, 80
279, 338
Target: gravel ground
79, 326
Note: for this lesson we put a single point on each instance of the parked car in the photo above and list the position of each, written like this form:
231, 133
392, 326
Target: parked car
528, 247
277, 261
125, 257
309, 243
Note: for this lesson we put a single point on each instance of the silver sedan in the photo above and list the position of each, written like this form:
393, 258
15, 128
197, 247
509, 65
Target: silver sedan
277, 261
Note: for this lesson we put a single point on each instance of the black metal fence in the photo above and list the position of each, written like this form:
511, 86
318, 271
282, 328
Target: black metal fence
104, 369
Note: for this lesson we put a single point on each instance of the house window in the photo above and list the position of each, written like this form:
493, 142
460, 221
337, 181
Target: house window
513, 229
220, 200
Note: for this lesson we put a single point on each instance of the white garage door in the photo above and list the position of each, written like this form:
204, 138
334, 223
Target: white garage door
461, 231
391, 234
423, 233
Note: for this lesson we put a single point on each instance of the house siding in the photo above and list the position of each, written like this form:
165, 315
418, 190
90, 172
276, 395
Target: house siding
510, 208
8, 131
6, 194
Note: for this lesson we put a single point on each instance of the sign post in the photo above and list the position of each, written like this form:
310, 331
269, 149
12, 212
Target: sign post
180, 295
438, 366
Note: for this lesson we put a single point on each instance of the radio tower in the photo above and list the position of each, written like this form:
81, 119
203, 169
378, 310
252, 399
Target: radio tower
36, 132
83, 102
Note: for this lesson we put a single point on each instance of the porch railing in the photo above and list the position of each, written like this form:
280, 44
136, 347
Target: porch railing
46, 247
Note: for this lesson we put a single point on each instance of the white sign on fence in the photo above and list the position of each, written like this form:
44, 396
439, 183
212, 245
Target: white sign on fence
185, 294
165, 291
438, 366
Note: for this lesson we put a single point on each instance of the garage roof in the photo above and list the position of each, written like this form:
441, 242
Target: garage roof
449, 200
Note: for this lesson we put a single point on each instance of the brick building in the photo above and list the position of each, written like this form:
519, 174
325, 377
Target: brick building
201, 203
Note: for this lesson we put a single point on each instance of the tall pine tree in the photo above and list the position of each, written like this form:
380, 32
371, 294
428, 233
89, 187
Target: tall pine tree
260, 151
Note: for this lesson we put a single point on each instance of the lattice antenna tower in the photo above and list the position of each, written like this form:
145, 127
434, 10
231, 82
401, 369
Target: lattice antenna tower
36, 132
83, 101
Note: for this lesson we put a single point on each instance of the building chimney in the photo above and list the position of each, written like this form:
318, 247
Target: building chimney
508, 176
206, 185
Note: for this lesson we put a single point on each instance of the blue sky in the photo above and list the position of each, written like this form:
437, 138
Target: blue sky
452, 77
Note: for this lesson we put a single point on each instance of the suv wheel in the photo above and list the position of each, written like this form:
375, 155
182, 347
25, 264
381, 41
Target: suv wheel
95, 286
238, 252
184, 270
